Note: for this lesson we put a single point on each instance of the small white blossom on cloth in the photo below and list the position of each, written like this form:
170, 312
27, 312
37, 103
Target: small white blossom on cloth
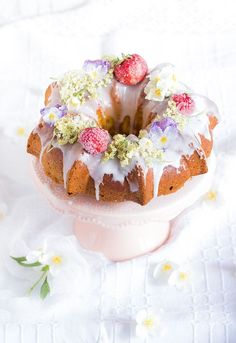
3, 210
214, 197
147, 323
16, 131
211, 195
163, 270
52, 259
59, 264
180, 278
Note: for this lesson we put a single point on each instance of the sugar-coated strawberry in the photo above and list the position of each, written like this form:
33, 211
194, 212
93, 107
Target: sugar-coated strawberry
131, 71
94, 140
184, 103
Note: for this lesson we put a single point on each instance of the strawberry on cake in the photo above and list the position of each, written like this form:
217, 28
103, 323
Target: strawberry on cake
118, 131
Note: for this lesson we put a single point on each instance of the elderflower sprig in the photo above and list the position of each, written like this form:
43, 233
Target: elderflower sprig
125, 149
173, 113
68, 128
77, 86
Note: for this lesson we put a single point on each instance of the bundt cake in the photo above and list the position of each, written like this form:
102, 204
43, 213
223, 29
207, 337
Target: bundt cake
118, 131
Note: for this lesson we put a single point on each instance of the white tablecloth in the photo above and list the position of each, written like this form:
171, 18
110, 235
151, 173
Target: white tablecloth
41, 39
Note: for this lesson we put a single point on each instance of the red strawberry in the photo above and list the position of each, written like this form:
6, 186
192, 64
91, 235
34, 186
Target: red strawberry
131, 71
184, 103
94, 140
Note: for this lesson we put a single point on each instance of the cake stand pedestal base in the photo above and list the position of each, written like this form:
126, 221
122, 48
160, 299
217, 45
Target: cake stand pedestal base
123, 242
123, 230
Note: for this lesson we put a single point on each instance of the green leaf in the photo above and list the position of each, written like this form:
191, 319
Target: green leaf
35, 264
45, 289
22, 259
19, 259
45, 268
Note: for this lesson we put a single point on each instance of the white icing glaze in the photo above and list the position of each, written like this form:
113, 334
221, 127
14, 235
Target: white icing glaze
157, 173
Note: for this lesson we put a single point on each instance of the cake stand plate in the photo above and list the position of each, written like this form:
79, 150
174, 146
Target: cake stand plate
123, 230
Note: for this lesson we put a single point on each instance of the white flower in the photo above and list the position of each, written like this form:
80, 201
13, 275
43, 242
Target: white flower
215, 197
164, 138
52, 114
173, 274
3, 210
96, 69
162, 83
55, 260
46, 256
211, 195
180, 278
61, 263
147, 323
34, 256
16, 131
164, 269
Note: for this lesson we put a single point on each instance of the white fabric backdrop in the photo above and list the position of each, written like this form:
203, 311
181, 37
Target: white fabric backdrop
40, 39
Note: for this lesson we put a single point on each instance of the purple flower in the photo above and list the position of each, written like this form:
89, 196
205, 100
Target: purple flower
163, 132
163, 124
51, 115
100, 66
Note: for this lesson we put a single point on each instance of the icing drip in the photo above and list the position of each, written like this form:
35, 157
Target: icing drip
71, 154
133, 186
128, 98
92, 163
54, 98
157, 173
45, 134
155, 107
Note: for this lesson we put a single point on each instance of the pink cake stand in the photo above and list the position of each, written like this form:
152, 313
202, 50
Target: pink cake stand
123, 230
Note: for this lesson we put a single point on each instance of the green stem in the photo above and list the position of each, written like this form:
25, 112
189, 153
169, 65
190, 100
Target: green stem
38, 281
